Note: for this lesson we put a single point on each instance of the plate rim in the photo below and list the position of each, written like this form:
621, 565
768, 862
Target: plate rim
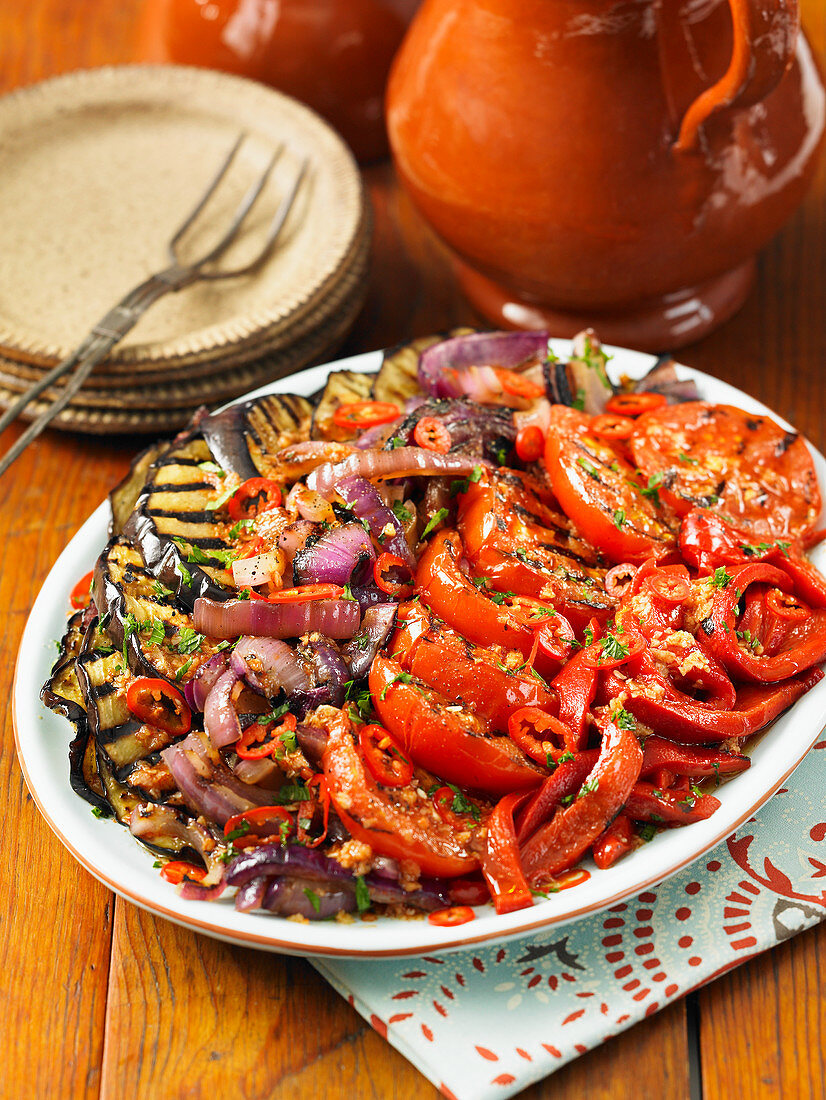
193, 915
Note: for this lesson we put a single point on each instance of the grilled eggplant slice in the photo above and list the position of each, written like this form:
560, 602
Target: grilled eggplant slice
61, 692
124, 496
343, 387
243, 436
159, 637
398, 377
174, 528
83, 770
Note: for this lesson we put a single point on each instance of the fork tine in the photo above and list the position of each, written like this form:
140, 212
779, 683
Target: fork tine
249, 200
207, 195
276, 225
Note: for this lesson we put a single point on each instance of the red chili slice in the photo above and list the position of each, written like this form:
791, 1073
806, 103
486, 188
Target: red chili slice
443, 800
304, 592
517, 385
530, 612
258, 741
612, 426
530, 443
158, 704
179, 870
618, 580
320, 781
359, 415
613, 650
557, 639
431, 434
387, 763
786, 606
672, 587
383, 573
81, 594
538, 734
263, 821
256, 494
449, 918
635, 404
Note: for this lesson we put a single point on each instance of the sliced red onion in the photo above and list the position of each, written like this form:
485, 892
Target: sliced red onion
376, 436
293, 538
157, 825
340, 556
312, 866
386, 867
220, 719
663, 378
198, 688
251, 895
443, 367
364, 501
401, 462
256, 772
333, 618
312, 740
299, 459
311, 505
249, 572
296, 897
196, 891
217, 795
375, 628
331, 674
268, 665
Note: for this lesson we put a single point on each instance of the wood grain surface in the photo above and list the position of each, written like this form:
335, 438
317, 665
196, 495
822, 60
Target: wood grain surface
99, 999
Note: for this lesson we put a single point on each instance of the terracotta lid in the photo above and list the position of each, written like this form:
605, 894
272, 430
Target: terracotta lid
99, 168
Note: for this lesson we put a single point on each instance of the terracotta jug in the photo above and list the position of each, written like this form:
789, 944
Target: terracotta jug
607, 162
332, 54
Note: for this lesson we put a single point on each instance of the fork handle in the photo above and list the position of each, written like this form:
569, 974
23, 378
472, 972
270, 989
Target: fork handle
109, 330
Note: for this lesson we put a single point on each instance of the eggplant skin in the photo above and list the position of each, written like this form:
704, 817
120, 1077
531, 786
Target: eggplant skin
61, 692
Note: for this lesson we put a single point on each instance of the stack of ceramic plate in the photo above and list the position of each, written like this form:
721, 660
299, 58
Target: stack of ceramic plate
99, 169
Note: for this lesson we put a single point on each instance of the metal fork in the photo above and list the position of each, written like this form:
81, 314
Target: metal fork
111, 329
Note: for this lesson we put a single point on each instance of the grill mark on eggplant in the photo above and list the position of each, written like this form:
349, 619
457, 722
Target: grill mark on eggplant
200, 516
184, 487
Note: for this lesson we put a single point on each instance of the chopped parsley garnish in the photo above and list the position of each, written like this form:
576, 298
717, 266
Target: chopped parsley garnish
721, 579
623, 720
241, 829
360, 701
588, 467
182, 671
189, 640
186, 576
746, 637
212, 468
215, 505
289, 740
241, 525
756, 549
687, 458
578, 402
613, 649
588, 636
588, 787
434, 521
274, 716
402, 678
647, 831
98, 812
522, 554
402, 514
347, 594
363, 902
197, 556
461, 485
619, 518
130, 625
462, 805
161, 591
292, 792
313, 898
396, 443
650, 490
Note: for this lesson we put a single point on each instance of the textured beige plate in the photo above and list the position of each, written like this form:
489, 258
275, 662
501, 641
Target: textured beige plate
101, 165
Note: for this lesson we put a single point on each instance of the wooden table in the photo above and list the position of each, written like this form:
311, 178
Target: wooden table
100, 999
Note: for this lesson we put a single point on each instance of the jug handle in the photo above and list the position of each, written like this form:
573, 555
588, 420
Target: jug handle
765, 33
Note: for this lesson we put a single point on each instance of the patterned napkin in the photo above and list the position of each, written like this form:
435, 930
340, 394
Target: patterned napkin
490, 1021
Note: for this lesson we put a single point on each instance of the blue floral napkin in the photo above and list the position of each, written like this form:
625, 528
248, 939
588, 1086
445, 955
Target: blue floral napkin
490, 1021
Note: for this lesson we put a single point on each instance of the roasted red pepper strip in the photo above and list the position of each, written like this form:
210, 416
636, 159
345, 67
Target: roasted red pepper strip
649, 803
500, 858
81, 594
576, 686
533, 731
573, 829
615, 842
803, 646
678, 715
660, 753
159, 704
568, 777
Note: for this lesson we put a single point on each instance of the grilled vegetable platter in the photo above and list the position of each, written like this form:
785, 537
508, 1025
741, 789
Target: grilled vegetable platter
468, 631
